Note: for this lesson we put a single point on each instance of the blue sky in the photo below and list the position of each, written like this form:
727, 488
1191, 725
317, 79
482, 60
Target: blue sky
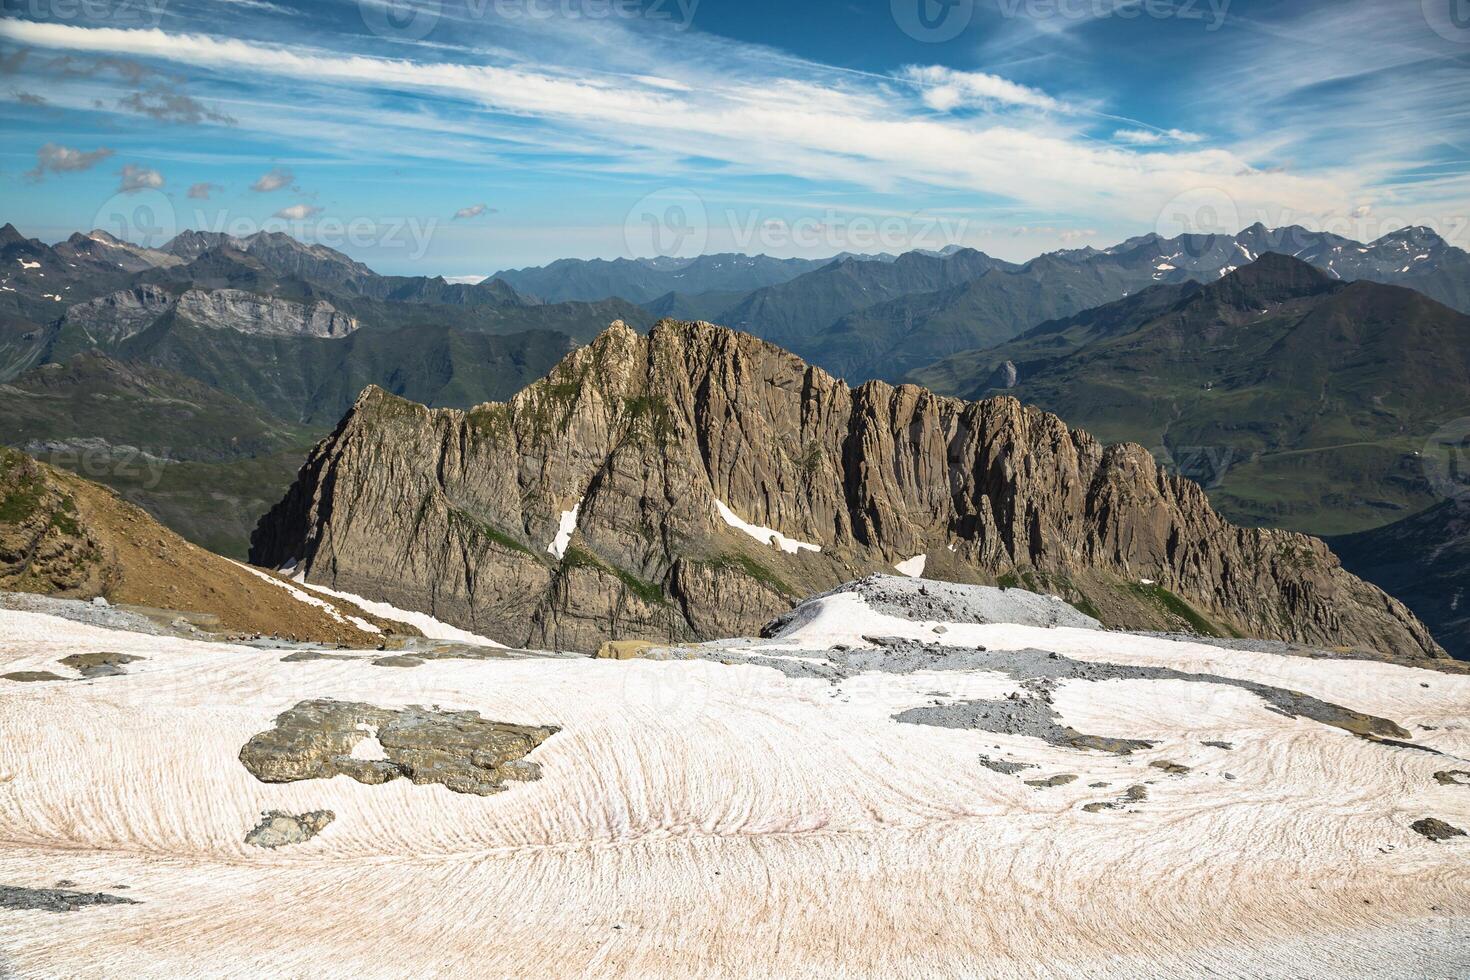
458, 137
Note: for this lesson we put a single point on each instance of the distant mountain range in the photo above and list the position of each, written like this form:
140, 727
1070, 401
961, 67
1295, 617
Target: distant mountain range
278, 322
102, 341
882, 316
647, 280
1301, 400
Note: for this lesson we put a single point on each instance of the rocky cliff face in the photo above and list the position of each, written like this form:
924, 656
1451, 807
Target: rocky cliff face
695, 482
117, 316
235, 309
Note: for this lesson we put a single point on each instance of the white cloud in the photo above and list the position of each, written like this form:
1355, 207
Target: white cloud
298, 212
274, 180
57, 159
1156, 137
945, 89
202, 192
473, 211
136, 178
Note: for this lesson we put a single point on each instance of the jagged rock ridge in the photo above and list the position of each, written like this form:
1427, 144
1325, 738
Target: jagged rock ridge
623, 496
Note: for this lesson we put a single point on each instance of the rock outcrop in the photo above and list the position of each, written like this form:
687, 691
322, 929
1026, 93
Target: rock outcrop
696, 482
63, 536
117, 316
236, 309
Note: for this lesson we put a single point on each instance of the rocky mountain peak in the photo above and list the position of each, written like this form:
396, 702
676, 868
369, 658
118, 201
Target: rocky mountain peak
697, 481
1272, 278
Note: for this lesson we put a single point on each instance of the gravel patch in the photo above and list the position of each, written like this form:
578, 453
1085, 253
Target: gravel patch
78, 611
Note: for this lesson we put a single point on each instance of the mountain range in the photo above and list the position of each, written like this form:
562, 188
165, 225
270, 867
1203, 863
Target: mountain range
864, 317
255, 347
1301, 400
697, 481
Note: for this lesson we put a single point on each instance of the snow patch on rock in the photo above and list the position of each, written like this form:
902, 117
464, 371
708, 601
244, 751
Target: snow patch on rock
912, 567
564, 532
764, 535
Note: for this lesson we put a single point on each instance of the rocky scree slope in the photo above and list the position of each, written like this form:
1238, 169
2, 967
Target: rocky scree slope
696, 482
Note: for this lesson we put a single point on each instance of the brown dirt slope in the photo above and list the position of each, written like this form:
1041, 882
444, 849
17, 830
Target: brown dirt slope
64, 536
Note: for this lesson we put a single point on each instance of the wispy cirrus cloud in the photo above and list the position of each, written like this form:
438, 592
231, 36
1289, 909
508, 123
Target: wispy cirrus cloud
1039, 126
814, 124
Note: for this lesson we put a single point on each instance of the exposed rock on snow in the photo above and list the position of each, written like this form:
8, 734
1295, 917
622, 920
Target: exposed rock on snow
55, 899
1435, 829
91, 665
1032, 717
280, 829
458, 750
